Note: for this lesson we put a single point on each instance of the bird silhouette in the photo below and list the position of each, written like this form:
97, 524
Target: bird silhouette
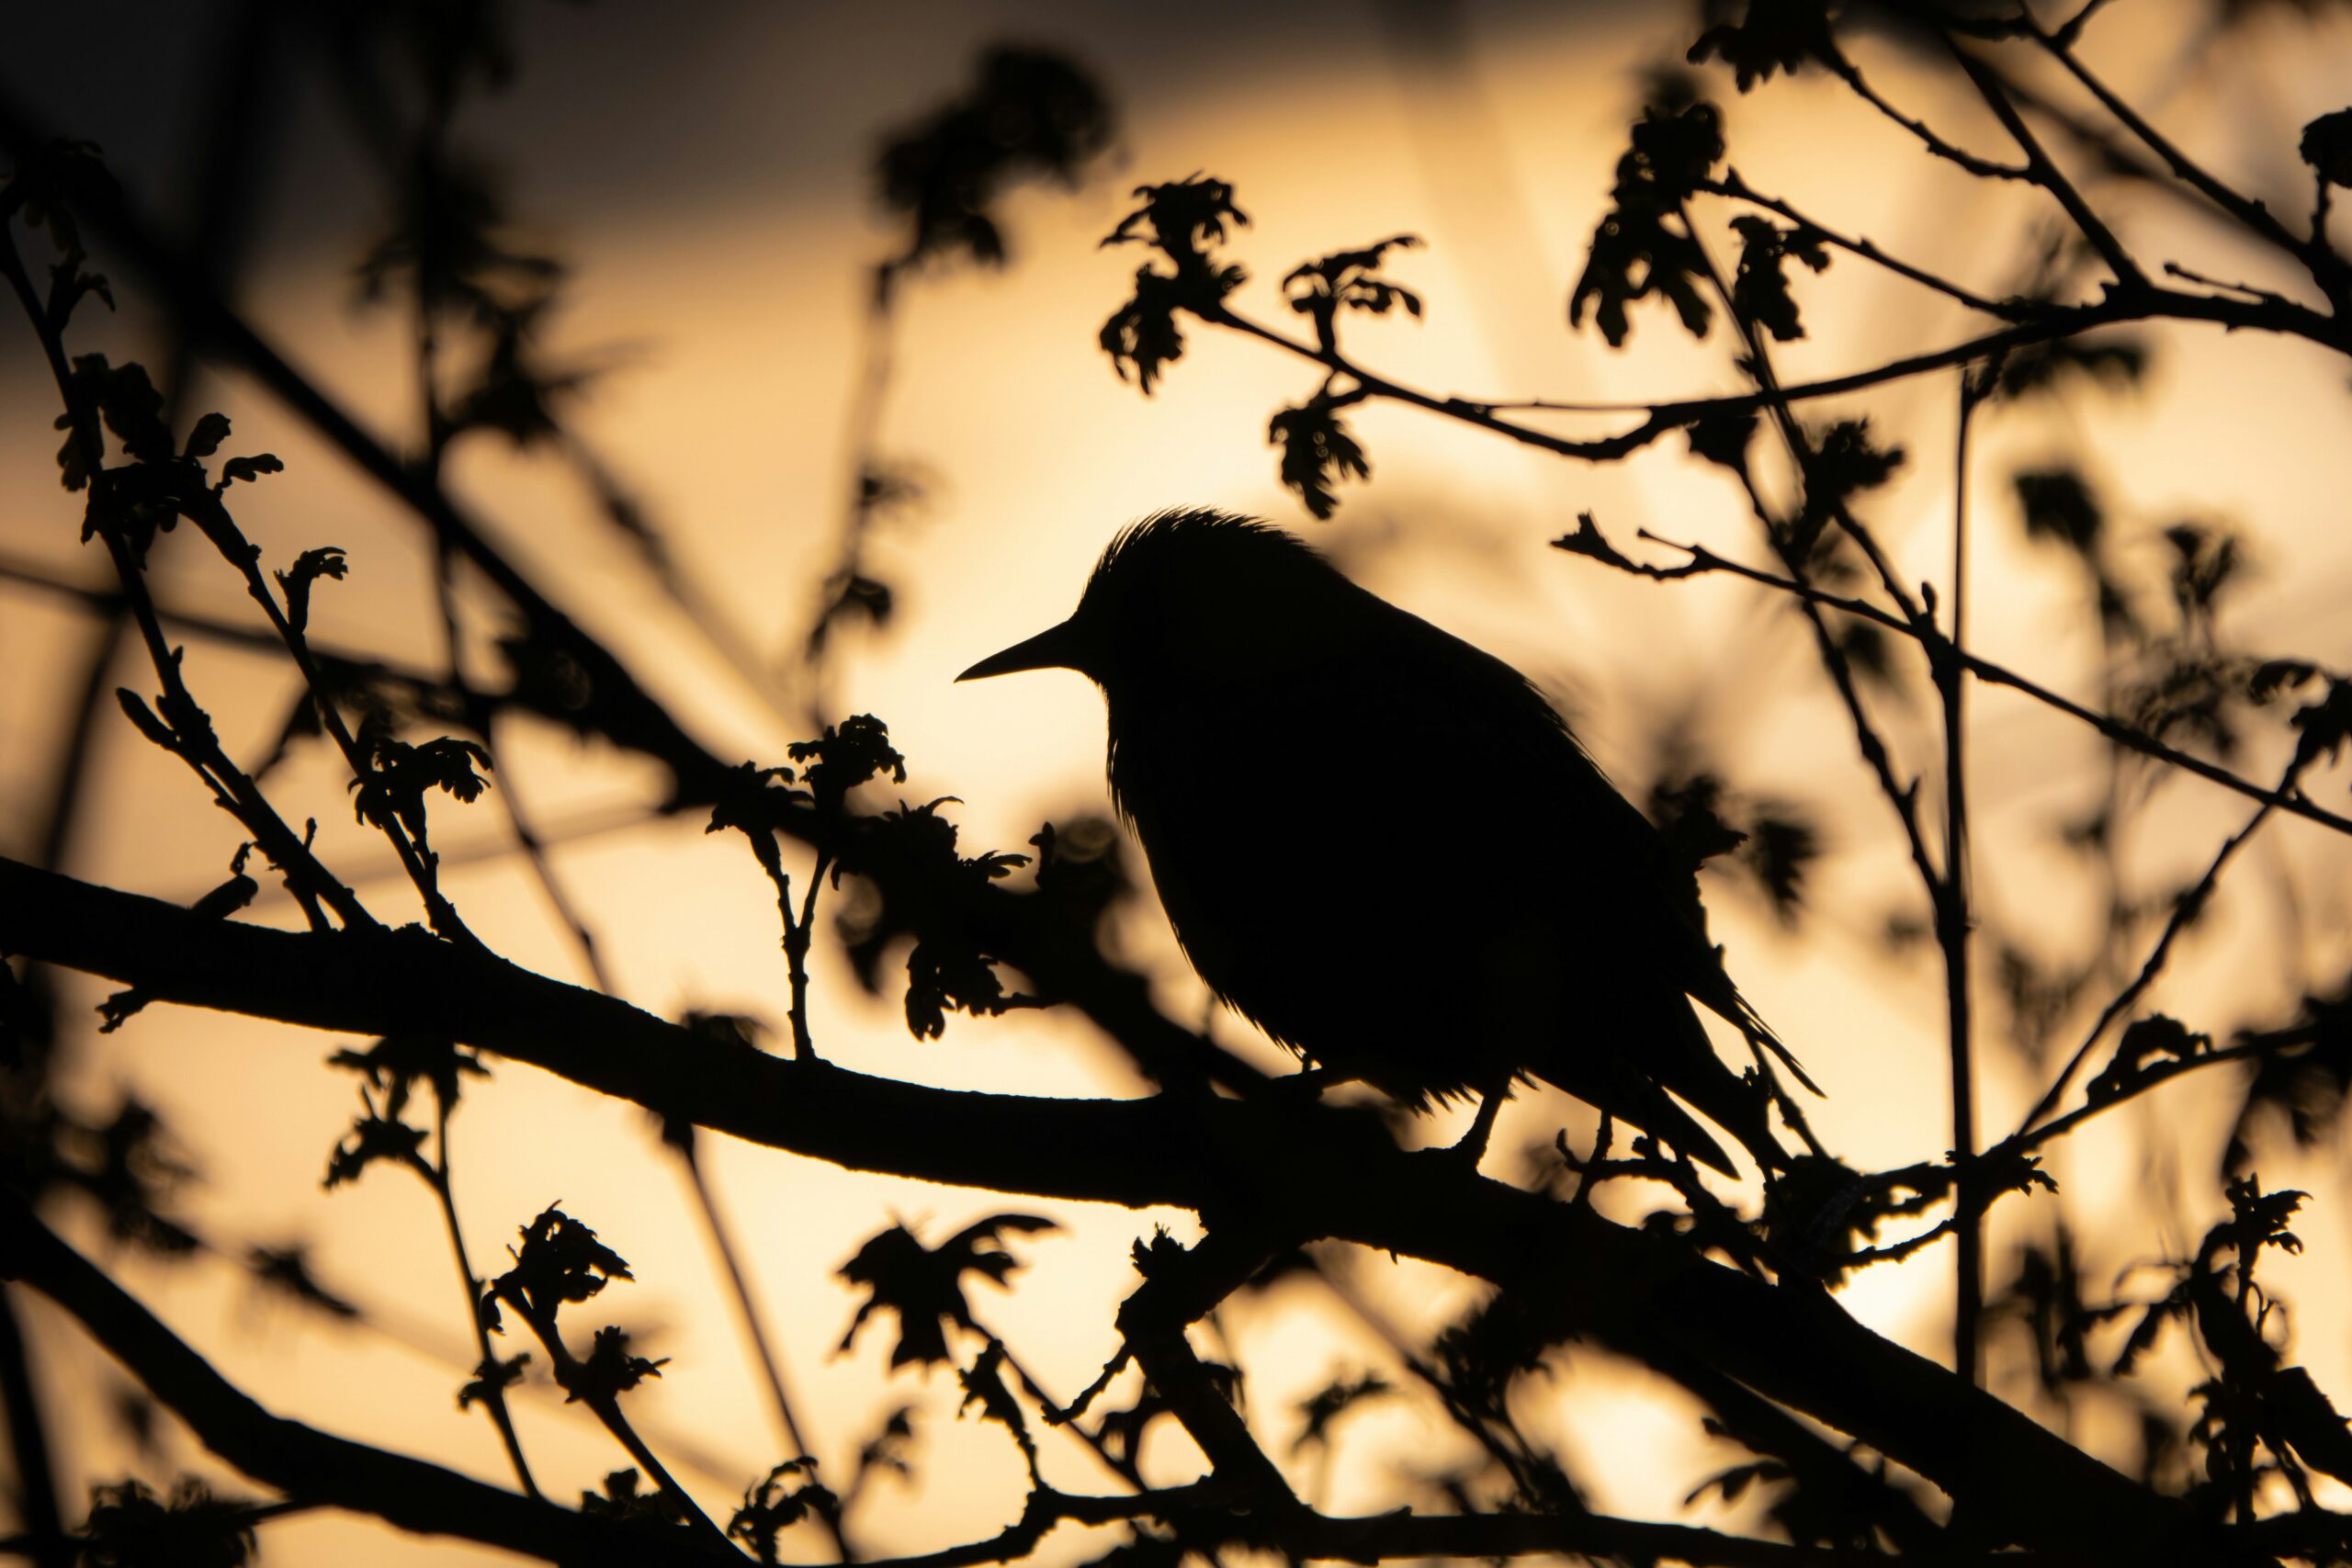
1385, 848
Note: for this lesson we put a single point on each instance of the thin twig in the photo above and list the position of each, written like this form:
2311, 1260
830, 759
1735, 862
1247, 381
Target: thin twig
798, 935
1904, 799
1737, 189
796, 1440
488, 1373
535, 854
2154, 1078
1953, 920
2046, 174
2326, 267
415, 857
1846, 72
1124, 1468
2185, 910
1702, 560
2173, 269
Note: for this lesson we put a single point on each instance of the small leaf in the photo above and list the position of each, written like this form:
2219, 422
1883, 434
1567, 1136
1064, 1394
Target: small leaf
1724, 439
2057, 504
609, 1370
1772, 35
129, 1527
984, 1385
1348, 280
769, 1509
1318, 453
327, 560
1759, 290
2323, 727
560, 1262
2326, 146
206, 438
922, 1287
249, 469
2274, 676
1143, 332
495, 1376
142, 718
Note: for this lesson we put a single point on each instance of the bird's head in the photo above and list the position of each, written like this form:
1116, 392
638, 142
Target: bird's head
1193, 597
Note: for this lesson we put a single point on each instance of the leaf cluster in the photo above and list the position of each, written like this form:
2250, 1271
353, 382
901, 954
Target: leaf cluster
129, 1525
922, 889
1181, 219
922, 1287
789, 1494
1029, 113
1644, 246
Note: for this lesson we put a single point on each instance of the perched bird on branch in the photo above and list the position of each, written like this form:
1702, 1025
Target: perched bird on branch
1385, 848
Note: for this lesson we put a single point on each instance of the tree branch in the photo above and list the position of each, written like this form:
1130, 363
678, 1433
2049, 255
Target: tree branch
1703, 561
1311, 1171
2046, 174
301, 1460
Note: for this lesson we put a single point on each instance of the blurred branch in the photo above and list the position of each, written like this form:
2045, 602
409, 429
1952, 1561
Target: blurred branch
488, 1371
35, 1490
314, 1466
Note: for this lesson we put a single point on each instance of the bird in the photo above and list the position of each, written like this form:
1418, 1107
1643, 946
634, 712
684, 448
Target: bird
1385, 848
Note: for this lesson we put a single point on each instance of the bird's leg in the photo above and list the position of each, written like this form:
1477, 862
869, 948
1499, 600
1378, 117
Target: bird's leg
1304, 1086
1473, 1145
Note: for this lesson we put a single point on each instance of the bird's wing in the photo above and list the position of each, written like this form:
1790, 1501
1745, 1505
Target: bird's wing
1619, 888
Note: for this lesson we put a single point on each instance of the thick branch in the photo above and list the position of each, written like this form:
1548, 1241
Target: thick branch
1317, 1173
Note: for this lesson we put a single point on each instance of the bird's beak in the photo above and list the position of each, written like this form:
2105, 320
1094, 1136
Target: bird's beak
1055, 648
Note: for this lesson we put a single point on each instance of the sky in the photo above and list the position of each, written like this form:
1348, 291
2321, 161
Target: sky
703, 171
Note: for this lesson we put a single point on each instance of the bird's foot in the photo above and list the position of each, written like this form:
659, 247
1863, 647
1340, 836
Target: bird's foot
1304, 1087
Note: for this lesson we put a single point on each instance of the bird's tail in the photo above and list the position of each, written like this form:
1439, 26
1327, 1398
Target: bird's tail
1655, 1112
1759, 1037
1742, 1106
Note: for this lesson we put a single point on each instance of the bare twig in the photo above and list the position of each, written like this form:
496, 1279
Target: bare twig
2326, 267
2184, 911
1732, 187
828, 1516
1701, 560
1985, 168
2046, 174
488, 1373
1954, 918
